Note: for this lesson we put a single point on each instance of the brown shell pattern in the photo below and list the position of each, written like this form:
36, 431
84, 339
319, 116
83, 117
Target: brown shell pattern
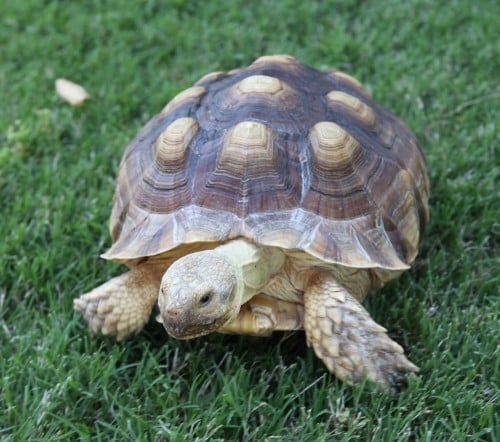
278, 153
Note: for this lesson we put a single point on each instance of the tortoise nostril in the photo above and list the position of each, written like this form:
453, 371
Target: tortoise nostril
172, 312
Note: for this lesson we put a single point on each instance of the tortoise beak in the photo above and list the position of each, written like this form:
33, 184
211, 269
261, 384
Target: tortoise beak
184, 325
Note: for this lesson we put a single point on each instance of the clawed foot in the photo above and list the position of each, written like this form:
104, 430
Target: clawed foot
120, 307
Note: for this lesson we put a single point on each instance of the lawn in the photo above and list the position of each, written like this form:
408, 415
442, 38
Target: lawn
436, 66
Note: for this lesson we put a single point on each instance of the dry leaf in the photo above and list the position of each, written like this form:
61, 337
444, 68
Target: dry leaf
71, 92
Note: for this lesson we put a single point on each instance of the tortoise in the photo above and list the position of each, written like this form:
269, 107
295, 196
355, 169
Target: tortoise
272, 197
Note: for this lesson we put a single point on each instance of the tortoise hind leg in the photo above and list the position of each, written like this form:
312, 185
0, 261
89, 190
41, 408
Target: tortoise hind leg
121, 306
347, 339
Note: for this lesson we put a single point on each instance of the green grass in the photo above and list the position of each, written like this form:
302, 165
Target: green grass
436, 67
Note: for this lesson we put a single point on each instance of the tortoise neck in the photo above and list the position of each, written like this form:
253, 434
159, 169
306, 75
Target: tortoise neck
257, 264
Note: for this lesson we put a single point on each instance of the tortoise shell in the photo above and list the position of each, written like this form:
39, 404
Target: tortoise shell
278, 153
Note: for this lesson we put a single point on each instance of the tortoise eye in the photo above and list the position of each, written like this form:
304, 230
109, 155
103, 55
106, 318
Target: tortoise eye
205, 298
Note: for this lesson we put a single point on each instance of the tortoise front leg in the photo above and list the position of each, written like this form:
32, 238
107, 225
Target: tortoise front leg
121, 306
262, 315
347, 339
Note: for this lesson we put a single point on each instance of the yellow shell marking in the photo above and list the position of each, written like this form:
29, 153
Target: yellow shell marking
259, 88
363, 111
194, 92
281, 58
260, 84
342, 76
210, 77
171, 145
331, 144
248, 145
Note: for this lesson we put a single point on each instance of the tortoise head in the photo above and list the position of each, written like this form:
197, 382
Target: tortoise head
199, 293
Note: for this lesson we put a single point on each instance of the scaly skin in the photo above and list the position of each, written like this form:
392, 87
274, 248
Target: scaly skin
210, 291
347, 339
263, 315
121, 306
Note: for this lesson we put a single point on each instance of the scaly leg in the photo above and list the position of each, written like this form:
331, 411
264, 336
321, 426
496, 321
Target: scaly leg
347, 339
262, 315
121, 306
